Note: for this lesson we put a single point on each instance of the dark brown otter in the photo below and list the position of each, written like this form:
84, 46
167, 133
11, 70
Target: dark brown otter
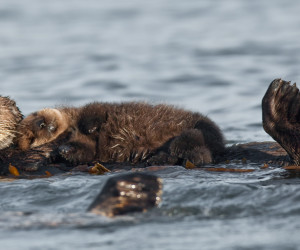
127, 132
10, 117
139, 132
281, 119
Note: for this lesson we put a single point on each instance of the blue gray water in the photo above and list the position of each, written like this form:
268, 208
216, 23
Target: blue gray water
215, 57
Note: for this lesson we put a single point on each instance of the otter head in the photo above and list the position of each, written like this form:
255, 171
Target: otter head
41, 127
10, 117
91, 119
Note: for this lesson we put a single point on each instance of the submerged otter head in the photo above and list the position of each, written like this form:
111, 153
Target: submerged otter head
10, 117
41, 127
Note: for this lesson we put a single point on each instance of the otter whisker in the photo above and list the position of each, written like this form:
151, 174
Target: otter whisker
118, 137
144, 155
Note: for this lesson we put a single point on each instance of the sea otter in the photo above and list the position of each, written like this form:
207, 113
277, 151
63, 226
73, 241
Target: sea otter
126, 132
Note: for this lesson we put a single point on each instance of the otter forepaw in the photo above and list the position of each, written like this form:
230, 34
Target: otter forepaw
162, 158
76, 153
190, 146
198, 155
67, 152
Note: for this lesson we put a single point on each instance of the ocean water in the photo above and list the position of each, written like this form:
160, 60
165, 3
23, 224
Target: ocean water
214, 57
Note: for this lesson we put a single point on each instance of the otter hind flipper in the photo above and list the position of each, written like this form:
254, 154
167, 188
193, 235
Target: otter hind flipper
281, 116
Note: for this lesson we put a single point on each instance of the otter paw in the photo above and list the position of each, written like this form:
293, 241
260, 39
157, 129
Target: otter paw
198, 156
162, 158
66, 152
76, 153
190, 146
122, 194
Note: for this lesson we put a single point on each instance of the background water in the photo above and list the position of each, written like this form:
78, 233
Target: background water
215, 57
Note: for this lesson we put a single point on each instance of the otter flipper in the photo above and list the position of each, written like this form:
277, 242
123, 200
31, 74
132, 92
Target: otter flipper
281, 116
122, 194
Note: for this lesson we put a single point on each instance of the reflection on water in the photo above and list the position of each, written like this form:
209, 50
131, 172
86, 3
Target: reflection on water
212, 57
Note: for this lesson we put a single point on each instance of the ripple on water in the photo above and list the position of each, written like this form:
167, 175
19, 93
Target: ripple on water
192, 199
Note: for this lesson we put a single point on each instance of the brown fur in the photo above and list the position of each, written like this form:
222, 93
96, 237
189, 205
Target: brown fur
142, 133
139, 132
126, 132
45, 126
10, 116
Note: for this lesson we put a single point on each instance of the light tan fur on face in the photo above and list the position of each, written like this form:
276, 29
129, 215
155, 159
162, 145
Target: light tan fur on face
59, 119
42, 127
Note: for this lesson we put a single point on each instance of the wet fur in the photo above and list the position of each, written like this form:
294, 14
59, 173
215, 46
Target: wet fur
126, 132
10, 117
139, 132
116, 132
281, 116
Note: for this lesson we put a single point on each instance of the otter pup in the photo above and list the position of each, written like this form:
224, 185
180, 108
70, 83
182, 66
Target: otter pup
127, 132
10, 117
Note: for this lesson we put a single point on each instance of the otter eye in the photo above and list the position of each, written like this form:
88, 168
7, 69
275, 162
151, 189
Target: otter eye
51, 128
92, 130
41, 124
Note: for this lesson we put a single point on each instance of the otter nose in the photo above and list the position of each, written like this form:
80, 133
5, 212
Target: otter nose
51, 128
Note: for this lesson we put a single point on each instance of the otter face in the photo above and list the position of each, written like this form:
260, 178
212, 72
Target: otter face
41, 127
89, 125
91, 119
10, 117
